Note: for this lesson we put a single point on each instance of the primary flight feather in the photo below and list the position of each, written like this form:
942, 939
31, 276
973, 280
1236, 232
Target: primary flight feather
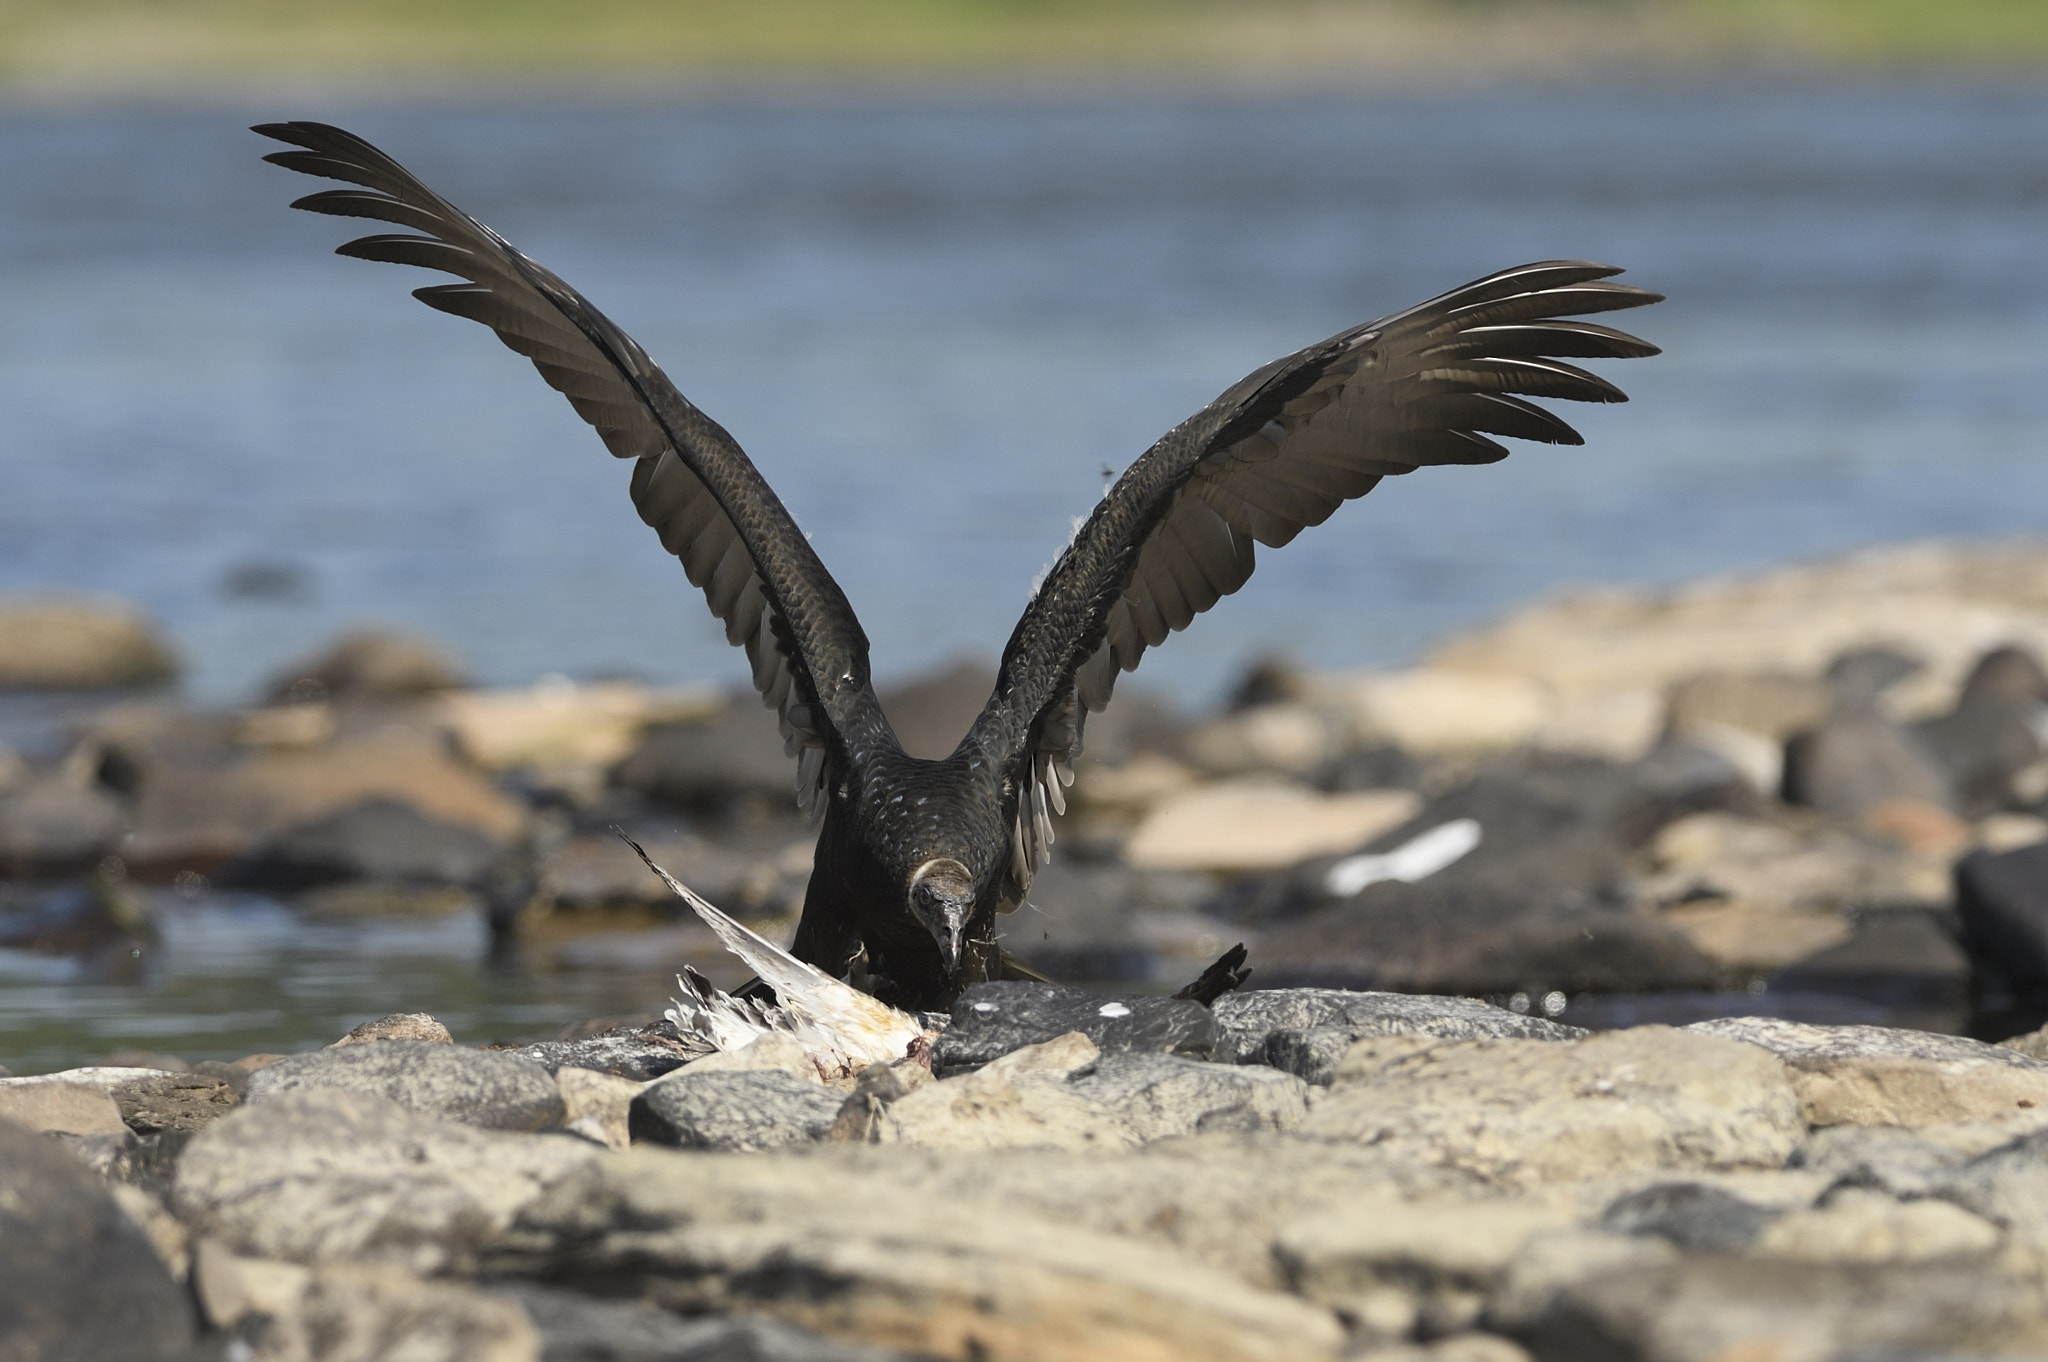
915, 858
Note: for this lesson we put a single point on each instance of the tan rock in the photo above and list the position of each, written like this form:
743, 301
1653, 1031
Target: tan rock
78, 643
368, 664
1745, 937
2010, 831
1136, 785
774, 1050
1294, 738
1253, 825
1774, 705
1860, 1226
992, 1109
559, 722
1446, 709
1350, 1248
960, 1276
1465, 1347
598, 1106
1918, 825
53, 1105
1777, 868
1525, 1113
1876, 1076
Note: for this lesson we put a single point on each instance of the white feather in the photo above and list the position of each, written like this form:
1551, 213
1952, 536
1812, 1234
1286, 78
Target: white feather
840, 1028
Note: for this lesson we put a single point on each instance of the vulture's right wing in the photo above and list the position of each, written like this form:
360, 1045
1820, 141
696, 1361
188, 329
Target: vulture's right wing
1280, 450
691, 481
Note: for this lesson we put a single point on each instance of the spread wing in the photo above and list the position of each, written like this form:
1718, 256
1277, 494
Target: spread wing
1279, 451
691, 481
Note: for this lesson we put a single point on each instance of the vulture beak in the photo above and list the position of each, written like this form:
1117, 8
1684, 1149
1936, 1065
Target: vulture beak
942, 897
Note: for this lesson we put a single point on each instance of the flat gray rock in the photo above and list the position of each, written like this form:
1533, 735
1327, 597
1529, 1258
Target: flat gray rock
78, 1278
2007, 1186
992, 1020
639, 1053
1251, 1020
744, 1110
1884, 1158
492, 1089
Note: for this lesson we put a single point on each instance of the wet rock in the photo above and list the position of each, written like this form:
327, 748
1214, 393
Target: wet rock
1261, 824
876, 1258
57, 824
77, 644
748, 1110
2002, 899
52, 1105
639, 1053
577, 1328
282, 1312
1697, 1217
368, 665
1523, 1113
708, 764
399, 1026
1875, 1075
324, 1174
1905, 960
382, 839
492, 1089
1856, 762
78, 1277
1708, 1308
990, 1020
1305, 1031
1448, 937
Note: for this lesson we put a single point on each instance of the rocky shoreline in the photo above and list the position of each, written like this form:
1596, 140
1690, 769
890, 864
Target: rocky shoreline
1567, 944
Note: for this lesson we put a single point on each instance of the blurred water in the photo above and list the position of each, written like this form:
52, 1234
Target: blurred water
935, 325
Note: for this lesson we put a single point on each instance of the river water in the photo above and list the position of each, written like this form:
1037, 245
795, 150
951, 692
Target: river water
936, 324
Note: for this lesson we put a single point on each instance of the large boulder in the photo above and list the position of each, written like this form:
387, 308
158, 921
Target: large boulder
1306, 1031
991, 1020
367, 665
497, 1090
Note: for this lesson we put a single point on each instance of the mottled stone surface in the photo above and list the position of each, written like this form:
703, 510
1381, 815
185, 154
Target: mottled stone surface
492, 1089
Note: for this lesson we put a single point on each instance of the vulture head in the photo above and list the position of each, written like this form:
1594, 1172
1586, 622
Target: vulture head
942, 897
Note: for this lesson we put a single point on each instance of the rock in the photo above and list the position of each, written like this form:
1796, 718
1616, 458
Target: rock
1549, 1263
1874, 1075
370, 664
708, 764
1524, 1113
149, 1100
1715, 1308
349, 1310
772, 1052
1470, 1346
1305, 1031
875, 1257
2007, 1185
577, 1328
1773, 705
1297, 739
1437, 709
2002, 899
78, 1277
734, 1110
1695, 1216
561, 723
597, 1106
637, 1053
46, 1105
1901, 1163
64, 643
1450, 1253
57, 824
1064, 1094
199, 808
1076, 927
1993, 735
1261, 824
399, 1026
1857, 1225
1904, 959
931, 713
1448, 937
381, 839
326, 1174
1859, 760
990, 1020
491, 1089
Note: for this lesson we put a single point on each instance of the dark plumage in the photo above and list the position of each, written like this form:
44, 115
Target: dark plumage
916, 857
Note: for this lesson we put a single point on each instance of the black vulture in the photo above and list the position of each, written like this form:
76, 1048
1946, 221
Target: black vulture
916, 858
